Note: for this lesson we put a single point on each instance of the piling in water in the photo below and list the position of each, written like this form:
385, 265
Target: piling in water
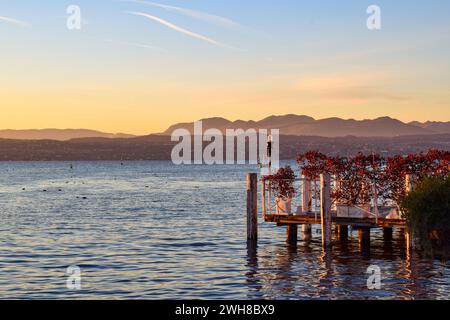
252, 208
325, 209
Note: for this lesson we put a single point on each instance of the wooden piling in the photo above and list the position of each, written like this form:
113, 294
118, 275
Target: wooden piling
306, 232
410, 179
306, 207
364, 237
263, 197
306, 194
387, 234
252, 208
325, 209
343, 233
291, 234
410, 241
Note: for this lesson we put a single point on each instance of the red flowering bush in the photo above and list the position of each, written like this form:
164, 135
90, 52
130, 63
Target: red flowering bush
357, 177
282, 182
433, 163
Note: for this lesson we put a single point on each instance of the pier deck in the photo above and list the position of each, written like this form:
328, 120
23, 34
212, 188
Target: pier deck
326, 218
312, 218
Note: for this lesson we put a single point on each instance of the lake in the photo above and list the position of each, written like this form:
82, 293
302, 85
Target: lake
153, 230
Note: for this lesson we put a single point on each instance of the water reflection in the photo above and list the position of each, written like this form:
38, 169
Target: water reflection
309, 272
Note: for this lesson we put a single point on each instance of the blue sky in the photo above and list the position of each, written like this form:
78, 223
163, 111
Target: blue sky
305, 57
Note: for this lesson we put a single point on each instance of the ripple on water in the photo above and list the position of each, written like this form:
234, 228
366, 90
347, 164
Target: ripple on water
153, 230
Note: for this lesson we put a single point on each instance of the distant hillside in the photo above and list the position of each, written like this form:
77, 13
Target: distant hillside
294, 125
438, 127
301, 125
159, 147
57, 134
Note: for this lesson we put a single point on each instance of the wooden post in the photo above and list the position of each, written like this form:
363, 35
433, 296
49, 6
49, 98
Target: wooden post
343, 233
336, 186
263, 197
364, 241
306, 194
364, 237
306, 232
325, 209
409, 186
252, 209
306, 207
401, 233
291, 234
387, 234
410, 241
409, 182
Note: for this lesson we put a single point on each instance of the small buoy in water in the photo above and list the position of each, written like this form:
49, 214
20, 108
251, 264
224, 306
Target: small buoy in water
59, 189
23, 189
84, 198
147, 186
44, 190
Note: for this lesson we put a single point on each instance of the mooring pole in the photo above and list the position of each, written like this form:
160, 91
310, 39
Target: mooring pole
263, 197
409, 186
325, 209
306, 207
306, 194
252, 208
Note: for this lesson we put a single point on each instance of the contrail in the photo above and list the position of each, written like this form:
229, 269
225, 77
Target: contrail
181, 30
210, 18
14, 22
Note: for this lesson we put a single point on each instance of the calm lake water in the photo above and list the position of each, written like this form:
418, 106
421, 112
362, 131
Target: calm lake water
153, 230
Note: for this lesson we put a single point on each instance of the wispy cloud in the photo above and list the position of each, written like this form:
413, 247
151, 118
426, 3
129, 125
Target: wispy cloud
199, 15
15, 22
181, 30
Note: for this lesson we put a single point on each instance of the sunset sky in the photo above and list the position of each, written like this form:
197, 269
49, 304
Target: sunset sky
138, 66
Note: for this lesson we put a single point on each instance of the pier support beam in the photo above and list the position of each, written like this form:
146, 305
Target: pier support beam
364, 237
306, 206
263, 197
306, 232
387, 234
343, 233
325, 209
291, 234
252, 208
306, 194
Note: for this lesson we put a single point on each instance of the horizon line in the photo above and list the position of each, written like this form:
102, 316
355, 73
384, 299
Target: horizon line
220, 117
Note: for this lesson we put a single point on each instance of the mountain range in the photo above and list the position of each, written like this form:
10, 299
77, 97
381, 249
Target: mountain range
58, 134
295, 125
300, 125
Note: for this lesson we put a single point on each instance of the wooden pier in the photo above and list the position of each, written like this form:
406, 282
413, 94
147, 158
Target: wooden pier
310, 219
327, 218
